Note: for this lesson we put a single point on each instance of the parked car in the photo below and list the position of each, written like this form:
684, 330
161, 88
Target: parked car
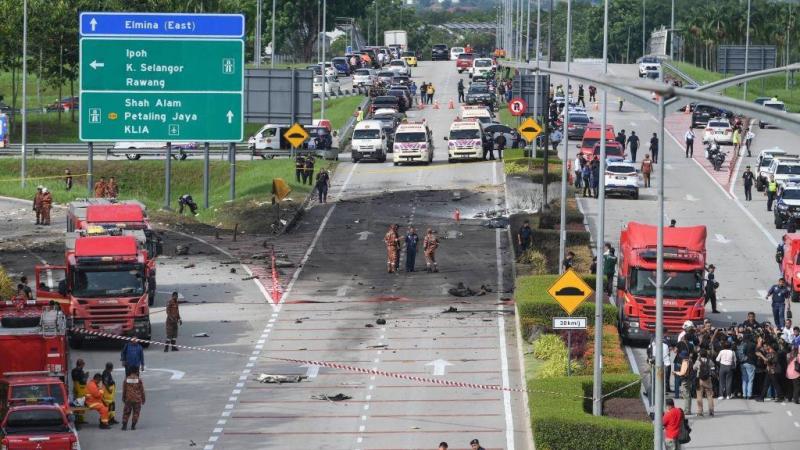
480, 94
702, 113
320, 138
401, 80
454, 52
771, 104
399, 67
403, 96
178, 148
411, 58
577, 125
385, 101
342, 65
363, 77
37, 426
332, 86
719, 130
65, 104
385, 77
621, 178
464, 62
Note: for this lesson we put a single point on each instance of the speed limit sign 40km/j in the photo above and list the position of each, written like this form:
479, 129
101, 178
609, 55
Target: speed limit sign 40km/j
517, 106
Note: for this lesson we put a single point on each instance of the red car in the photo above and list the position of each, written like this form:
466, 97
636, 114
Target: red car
464, 62
65, 104
592, 136
613, 149
40, 427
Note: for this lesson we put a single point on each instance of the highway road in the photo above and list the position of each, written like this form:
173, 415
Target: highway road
329, 312
741, 244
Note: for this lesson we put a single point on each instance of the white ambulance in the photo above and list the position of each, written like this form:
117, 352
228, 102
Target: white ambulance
413, 142
465, 140
479, 112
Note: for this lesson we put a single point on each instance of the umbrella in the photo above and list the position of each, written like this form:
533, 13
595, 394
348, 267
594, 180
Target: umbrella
498, 128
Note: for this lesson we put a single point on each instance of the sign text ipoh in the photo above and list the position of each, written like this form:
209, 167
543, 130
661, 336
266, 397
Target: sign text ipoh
161, 77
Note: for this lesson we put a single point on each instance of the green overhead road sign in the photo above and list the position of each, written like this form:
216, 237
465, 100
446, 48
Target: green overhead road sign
107, 116
161, 89
161, 65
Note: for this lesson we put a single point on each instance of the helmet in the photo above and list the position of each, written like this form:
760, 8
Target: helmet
44, 190
688, 324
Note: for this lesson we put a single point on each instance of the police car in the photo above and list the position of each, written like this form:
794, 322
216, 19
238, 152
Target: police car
787, 206
621, 178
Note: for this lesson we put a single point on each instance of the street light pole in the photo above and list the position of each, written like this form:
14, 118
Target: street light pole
672, 33
274, 47
257, 37
644, 39
562, 242
597, 391
324, 67
528, 34
24, 167
746, 51
658, 348
550, 35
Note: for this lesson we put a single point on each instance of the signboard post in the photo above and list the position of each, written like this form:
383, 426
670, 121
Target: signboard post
161, 77
569, 291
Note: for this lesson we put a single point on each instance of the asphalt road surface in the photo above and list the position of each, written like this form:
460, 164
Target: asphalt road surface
741, 244
329, 312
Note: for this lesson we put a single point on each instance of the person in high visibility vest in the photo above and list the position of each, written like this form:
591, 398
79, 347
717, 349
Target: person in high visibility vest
772, 191
94, 399
110, 387
79, 379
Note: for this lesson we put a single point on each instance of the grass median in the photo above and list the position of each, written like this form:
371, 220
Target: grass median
144, 181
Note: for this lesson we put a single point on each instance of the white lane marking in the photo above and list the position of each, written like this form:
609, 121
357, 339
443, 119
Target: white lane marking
789, 413
735, 176
341, 291
501, 325
276, 308
721, 239
691, 198
174, 374
796, 424
705, 171
363, 235
439, 366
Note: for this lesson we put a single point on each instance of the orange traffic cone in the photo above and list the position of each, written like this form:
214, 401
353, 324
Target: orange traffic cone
421, 105
450, 105
436, 104
457, 215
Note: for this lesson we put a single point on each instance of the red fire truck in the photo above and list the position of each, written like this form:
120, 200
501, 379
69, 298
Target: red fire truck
103, 285
113, 214
684, 272
791, 263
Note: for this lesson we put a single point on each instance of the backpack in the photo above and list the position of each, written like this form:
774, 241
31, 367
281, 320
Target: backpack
705, 371
684, 437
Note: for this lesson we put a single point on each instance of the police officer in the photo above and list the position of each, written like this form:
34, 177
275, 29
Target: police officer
412, 240
748, 178
460, 91
654, 148
711, 288
299, 168
609, 266
772, 191
779, 293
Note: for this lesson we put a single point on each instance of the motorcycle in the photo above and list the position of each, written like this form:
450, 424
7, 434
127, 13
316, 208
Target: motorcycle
714, 155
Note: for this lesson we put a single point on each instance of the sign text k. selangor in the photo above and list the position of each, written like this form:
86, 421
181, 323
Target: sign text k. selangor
161, 77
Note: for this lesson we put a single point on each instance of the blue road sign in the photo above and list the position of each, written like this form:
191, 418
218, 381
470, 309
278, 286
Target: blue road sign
162, 25
349, 49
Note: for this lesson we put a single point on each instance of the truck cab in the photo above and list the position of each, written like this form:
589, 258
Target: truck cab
103, 286
38, 427
684, 274
791, 263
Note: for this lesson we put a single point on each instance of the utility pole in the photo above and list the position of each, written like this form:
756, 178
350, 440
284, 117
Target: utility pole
528, 34
672, 33
746, 51
257, 37
562, 242
550, 35
377, 40
274, 46
597, 388
644, 39
24, 167
324, 67
658, 389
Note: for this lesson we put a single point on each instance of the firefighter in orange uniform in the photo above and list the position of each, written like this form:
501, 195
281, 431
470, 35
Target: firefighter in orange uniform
100, 188
430, 244
112, 188
37, 204
94, 399
392, 242
47, 204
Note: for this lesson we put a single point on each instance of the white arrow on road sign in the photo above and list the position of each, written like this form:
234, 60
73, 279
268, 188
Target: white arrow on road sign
439, 366
362, 236
722, 239
229, 116
312, 371
94, 64
93, 23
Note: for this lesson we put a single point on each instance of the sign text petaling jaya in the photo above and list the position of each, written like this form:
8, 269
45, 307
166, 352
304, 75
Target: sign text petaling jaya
172, 77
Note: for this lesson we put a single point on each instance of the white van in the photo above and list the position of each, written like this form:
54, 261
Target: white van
454, 52
466, 140
269, 137
413, 142
369, 141
481, 68
479, 112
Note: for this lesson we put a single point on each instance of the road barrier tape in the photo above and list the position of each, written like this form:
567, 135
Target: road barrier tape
362, 370
49, 177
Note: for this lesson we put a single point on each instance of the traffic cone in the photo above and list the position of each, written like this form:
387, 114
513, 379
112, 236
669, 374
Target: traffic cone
457, 215
436, 104
450, 105
421, 105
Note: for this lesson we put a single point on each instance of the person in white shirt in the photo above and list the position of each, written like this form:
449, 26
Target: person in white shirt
727, 364
748, 139
787, 334
578, 165
689, 137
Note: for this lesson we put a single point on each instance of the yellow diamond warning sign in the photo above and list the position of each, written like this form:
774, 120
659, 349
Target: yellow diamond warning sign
296, 135
529, 129
570, 291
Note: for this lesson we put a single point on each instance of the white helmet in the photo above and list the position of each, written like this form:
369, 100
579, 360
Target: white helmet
44, 190
688, 324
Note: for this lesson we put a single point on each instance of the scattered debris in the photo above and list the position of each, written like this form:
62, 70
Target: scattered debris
188, 266
332, 398
254, 277
381, 321
224, 321
369, 325
451, 309
497, 222
283, 263
233, 269
181, 249
461, 291
279, 379
229, 262
202, 334
378, 346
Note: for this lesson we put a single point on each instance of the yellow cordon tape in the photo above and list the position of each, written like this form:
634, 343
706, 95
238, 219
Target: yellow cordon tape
383, 373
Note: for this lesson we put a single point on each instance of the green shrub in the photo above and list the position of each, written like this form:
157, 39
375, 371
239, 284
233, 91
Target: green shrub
533, 301
538, 177
549, 346
7, 286
536, 259
552, 235
556, 367
561, 420
552, 219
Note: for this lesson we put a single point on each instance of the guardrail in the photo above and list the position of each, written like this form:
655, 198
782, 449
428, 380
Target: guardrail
680, 73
